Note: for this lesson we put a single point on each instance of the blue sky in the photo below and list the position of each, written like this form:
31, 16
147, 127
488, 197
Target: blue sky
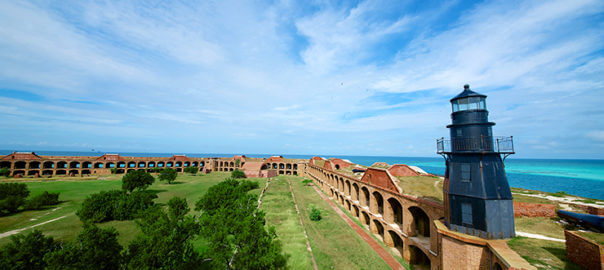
306, 77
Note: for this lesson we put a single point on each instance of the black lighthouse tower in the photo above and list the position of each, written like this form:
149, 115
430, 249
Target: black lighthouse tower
478, 200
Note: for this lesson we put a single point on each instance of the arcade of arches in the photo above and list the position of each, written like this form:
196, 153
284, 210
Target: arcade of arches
31, 164
412, 227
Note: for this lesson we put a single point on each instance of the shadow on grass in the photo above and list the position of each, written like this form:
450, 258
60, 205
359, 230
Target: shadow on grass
155, 191
560, 253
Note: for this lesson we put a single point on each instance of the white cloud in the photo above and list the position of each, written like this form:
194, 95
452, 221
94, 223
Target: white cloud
209, 72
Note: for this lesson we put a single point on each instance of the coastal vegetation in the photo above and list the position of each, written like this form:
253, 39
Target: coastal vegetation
236, 174
229, 233
333, 242
168, 175
13, 198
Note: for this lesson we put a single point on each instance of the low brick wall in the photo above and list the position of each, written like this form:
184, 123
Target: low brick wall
522, 209
583, 251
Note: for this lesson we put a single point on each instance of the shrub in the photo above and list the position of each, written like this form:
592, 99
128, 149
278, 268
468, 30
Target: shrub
307, 182
94, 248
42, 200
137, 180
12, 196
166, 239
26, 251
100, 206
156, 170
191, 170
130, 205
4, 172
114, 205
113, 170
315, 214
237, 174
168, 175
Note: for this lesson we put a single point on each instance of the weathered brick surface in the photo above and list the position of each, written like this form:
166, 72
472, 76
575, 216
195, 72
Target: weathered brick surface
522, 209
460, 255
379, 178
583, 251
402, 170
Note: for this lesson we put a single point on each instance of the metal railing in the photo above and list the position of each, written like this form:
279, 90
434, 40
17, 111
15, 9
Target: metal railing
498, 144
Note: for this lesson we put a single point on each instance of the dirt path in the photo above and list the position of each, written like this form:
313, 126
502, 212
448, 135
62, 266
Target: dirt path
9, 233
539, 236
312, 257
386, 256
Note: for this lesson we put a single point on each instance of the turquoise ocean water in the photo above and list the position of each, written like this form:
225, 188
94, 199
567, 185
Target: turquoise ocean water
579, 177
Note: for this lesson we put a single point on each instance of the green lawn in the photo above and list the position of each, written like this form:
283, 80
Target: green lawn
335, 245
540, 225
542, 254
73, 192
280, 211
428, 187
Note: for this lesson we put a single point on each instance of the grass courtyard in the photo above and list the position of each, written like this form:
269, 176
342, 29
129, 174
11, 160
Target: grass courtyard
334, 244
73, 191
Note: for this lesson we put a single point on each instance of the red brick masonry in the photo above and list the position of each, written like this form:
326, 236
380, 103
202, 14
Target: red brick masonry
583, 251
522, 209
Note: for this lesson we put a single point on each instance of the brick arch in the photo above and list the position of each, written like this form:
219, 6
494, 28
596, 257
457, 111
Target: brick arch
355, 192
365, 219
378, 228
34, 165
394, 211
20, 165
131, 164
86, 164
355, 210
48, 165
141, 164
397, 242
74, 165
420, 225
347, 188
365, 197
417, 257
377, 203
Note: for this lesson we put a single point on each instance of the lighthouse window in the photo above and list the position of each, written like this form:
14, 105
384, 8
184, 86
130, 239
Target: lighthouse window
463, 104
466, 214
465, 172
473, 103
458, 132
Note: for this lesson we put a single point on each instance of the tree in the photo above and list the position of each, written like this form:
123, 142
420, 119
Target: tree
315, 214
12, 196
168, 174
42, 200
26, 251
94, 248
234, 228
192, 170
237, 162
165, 241
4, 172
137, 180
100, 206
114, 205
236, 174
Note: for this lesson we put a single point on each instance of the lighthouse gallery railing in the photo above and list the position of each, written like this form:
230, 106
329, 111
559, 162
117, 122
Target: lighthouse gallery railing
497, 144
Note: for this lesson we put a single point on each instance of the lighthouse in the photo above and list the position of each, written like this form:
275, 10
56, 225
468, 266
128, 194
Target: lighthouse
477, 196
